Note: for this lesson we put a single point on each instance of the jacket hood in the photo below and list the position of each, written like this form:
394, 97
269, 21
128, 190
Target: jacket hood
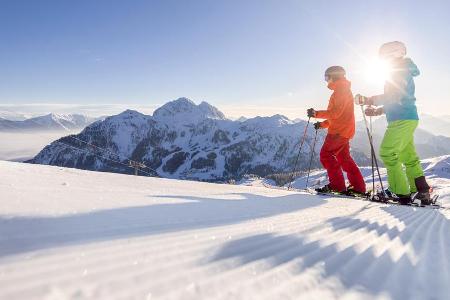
406, 64
339, 84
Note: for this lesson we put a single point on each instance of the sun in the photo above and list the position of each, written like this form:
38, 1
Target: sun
377, 71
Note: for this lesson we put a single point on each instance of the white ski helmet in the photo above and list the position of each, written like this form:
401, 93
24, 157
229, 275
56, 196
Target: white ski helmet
392, 50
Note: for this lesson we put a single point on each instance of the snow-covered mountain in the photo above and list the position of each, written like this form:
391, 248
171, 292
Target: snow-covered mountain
50, 122
242, 119
184, 111
185, 140
73, 234
437, 125
189, 141
12, 116
296, 120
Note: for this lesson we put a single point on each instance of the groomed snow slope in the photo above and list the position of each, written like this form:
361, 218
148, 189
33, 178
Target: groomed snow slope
72, 234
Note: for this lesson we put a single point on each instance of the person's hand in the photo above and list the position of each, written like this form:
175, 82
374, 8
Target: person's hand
373, 111
311, 113
317, 125
363, 100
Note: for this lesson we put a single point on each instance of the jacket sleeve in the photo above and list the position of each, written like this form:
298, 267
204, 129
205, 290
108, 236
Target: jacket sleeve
324, 124
334, 110
392, 95
394, 91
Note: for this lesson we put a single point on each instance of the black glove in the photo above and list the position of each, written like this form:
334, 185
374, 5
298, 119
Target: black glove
311, 113
317, 125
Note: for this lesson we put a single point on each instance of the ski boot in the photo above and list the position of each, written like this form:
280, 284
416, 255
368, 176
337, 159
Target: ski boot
423, 191
354, 193
402, 199
326, 189
380, 196
388, 195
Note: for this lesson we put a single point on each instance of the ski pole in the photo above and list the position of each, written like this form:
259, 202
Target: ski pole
311, 159
371, 155
298, 155
373, 150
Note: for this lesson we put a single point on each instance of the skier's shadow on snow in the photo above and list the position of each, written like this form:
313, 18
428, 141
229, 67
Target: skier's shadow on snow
24, 234
371, 268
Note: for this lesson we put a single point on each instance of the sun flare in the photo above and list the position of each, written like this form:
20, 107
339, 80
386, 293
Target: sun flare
377, 71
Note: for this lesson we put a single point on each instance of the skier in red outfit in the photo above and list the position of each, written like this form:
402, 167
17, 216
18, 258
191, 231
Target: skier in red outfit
340, 121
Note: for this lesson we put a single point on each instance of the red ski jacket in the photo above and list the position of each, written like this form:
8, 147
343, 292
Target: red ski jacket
340, 115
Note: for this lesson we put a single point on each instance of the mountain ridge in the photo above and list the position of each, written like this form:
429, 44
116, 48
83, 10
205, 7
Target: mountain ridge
48, 122
185, 140
189, 141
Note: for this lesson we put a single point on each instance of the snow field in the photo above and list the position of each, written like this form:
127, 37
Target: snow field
72, 234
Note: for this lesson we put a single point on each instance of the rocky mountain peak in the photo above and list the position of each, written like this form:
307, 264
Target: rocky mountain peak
274, 121
211, 111
185, 111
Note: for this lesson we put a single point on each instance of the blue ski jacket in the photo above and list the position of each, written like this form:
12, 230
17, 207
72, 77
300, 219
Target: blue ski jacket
398, 99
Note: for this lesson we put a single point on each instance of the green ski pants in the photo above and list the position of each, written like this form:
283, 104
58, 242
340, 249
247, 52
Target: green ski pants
397, 151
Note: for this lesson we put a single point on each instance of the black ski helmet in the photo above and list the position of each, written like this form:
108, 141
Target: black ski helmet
334, 72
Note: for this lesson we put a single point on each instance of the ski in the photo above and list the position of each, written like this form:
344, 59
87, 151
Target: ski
377, 198
314, 192
389, 199
433, 201
339, 195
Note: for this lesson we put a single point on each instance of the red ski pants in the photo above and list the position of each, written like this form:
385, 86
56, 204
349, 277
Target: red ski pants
335, 157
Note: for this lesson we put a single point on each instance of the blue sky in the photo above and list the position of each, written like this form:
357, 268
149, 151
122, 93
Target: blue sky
251, 57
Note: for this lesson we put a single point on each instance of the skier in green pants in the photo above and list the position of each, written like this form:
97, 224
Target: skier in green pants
398, 103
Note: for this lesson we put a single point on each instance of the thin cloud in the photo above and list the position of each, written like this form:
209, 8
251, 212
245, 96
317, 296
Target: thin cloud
93, 110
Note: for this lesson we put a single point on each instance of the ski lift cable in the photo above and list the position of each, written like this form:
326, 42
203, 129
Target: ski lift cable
104, 149
100, 156
115, 154
87, 151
